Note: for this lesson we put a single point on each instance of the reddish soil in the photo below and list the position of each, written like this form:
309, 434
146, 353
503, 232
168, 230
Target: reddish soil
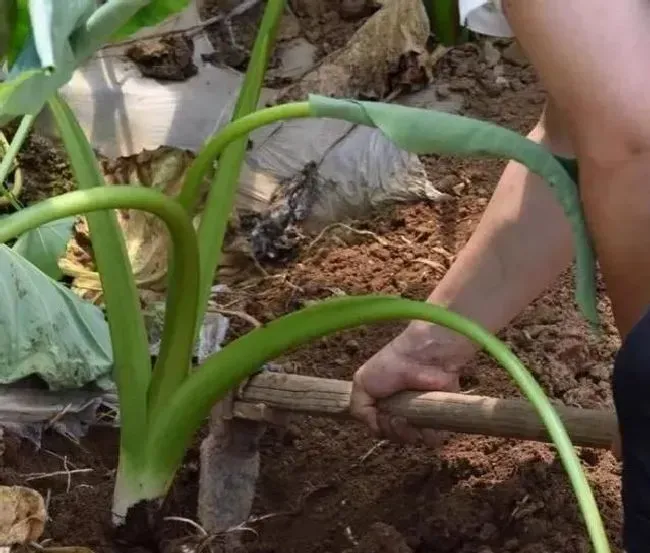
474, 494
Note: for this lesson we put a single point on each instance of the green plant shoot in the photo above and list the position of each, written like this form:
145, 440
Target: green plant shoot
162, 408
153, 446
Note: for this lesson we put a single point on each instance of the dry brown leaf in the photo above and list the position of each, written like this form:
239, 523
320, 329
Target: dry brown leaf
387, 52
22, 515
145, 235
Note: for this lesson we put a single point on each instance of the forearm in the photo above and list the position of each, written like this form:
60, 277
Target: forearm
521, 245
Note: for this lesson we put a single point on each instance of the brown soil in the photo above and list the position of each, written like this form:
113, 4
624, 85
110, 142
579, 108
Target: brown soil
473, 495
319, 22
45, 168
169, 58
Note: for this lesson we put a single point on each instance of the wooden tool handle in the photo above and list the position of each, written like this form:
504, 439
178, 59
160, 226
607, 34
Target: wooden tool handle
506, 418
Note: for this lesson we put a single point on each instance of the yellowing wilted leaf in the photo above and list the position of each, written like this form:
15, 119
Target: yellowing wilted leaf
387, 53
22, 515
145, 235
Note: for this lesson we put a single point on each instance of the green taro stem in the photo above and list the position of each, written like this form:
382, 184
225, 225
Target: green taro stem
444, 20
211, 234
172, 432
487, 140
478, 138
202, 164
184, 268
129, 339
422, 131
214, 220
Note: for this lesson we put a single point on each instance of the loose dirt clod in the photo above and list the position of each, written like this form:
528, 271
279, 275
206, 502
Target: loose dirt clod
169, 58
382, 538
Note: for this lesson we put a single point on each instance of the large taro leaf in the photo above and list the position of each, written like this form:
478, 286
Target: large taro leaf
154, 13
45, 245
47, 56
423, 131
19, 31
14, 28
8, 20
54, 40
48, 331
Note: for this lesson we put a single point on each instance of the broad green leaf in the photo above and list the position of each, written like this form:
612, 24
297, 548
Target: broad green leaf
9, 88
43, 24
224, 185
52, 29
8, 16
44, 246
20, 31
63, 39
423, 131
153, 14
47, 55
47, 330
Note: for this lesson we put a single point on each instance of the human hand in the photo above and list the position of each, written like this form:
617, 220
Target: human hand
415, 360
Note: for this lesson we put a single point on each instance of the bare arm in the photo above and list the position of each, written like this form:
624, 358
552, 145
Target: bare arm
522, 243
592, 56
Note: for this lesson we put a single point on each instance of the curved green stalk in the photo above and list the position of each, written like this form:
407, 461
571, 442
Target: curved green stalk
420, 131
416, 131
172, 432
179, 316
424, 131
189, 195
215, 217
129, 339
214, 220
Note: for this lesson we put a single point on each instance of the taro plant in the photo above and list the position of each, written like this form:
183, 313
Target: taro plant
162, 406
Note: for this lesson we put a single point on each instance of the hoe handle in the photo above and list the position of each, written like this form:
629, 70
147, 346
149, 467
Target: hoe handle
273, 393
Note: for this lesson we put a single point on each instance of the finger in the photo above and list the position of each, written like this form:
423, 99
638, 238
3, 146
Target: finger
385, 428
407, 433
396, 429
387, 431
362, 408
432, 380
367, 414
434, 439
